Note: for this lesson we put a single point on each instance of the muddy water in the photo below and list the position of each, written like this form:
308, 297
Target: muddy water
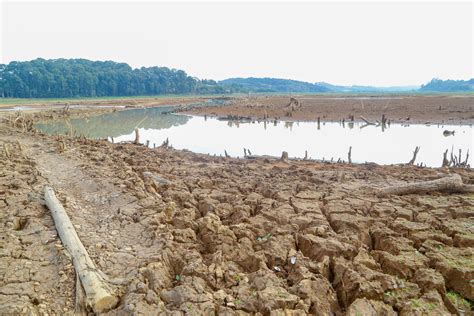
391, 145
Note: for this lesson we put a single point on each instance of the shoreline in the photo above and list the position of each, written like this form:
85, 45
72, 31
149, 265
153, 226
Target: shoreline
180, 231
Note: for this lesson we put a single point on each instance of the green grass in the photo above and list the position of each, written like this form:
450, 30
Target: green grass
20, 101
417, 303
459, 301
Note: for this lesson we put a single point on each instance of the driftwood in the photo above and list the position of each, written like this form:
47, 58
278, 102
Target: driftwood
450, 184
99, 294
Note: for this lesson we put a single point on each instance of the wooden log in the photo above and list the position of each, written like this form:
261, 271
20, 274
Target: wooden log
80, 308
450, 184
99, 294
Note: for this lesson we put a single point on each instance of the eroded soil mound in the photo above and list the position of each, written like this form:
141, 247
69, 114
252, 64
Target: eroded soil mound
181, 232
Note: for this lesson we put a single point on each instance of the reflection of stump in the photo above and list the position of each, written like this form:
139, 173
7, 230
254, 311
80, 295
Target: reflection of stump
284, 156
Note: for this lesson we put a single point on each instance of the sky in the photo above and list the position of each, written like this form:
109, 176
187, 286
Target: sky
351, 43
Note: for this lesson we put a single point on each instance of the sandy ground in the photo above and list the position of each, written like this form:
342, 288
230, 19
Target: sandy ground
397, 109
186, 233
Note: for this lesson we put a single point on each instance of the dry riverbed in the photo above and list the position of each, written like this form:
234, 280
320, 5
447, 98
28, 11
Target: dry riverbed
180, 232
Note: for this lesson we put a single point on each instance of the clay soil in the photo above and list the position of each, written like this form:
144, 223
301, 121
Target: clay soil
431, 109
184, 233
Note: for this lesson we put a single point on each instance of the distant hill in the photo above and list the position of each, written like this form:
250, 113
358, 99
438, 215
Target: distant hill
438, 85
287, 85
356, 89
271, 85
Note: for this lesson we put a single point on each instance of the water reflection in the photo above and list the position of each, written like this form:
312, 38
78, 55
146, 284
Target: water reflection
383, 144
116, 124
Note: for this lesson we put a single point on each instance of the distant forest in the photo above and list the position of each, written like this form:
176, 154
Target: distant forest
69, 78
65, 78
439, 85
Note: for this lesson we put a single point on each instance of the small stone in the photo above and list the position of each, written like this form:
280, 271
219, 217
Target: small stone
293, 260
141, 287
129, 307
151, 297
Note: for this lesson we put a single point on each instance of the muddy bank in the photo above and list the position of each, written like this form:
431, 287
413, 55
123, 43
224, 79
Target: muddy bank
396, 109
139, 101
181, 233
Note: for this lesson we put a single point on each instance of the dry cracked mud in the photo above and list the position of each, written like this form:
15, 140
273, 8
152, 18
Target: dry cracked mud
178, 232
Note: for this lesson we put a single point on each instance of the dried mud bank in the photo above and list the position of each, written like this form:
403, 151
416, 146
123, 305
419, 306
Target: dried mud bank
404, 109
178, 232
112, 102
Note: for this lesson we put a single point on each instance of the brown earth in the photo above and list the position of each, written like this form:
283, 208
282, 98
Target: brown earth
179, 232
398, 109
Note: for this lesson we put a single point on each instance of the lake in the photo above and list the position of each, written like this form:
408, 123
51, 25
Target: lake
329, 140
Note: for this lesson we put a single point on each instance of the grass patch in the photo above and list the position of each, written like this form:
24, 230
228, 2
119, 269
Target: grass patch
417, 303
459, 301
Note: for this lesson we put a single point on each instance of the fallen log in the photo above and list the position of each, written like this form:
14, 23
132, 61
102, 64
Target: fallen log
450, 184
99, 295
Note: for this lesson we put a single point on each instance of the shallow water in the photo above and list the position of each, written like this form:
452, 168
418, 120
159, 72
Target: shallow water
394, 144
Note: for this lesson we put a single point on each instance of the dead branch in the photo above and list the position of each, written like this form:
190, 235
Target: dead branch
415, 152
450, 184
366, 121
5, 149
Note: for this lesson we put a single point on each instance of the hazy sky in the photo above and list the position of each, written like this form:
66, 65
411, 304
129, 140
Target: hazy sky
344, 43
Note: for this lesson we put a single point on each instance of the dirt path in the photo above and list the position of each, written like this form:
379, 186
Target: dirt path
186, 233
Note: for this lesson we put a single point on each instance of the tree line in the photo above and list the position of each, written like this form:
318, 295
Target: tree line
67, 78
438, 85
